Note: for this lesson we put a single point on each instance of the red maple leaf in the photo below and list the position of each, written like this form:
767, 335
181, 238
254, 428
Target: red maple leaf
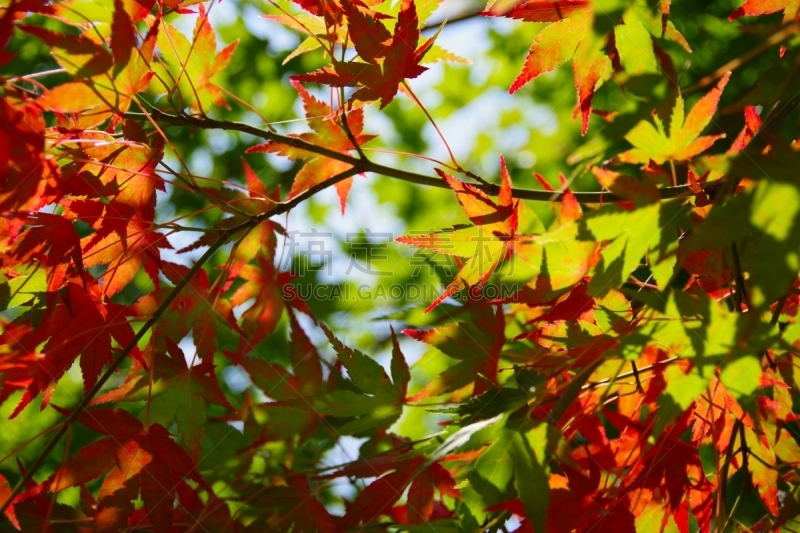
51, 240
389, 59
135, 460
80, 324
327, 133
492, 239
753, 8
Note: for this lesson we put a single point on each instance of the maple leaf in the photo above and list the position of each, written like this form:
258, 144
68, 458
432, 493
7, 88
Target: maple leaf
389, 59
287, 419
295, 504
195, 309
327, 133
271, 293
477, 348
581, 494
683, 141
102, 11
421, 506
252, 260
192, 66
369, 399
632, 235
277, 382
25, 171
5, 493
486, 244
752, 124
571, 34
763, 471
134, 459
179, 393
108, 94
50, 239
80, 324
79, 55
114, 191
673, 468
319, 33
133, 246
12, 12
29, 512
764, 7
396, 473
556, 259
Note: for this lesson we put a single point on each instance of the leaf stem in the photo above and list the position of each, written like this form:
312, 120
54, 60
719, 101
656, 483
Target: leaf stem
433, 123
674, 174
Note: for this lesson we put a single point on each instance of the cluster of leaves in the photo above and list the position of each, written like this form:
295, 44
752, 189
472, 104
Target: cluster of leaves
640, 376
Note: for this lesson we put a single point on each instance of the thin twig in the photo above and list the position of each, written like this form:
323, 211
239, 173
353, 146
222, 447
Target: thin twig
740, 295
350, 136
636, 377
733, 510
735, 63
573, 389
35, 75
640, 371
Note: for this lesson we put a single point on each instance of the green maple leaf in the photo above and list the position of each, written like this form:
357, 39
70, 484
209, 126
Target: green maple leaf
683, 141
179, 393
632, 235
572, 33
476, 348
370, 398
191, 66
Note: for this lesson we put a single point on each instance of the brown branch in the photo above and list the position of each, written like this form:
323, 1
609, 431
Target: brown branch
411, 177
224, 234
458, 18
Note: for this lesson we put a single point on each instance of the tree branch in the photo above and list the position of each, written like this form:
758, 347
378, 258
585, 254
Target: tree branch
458, 18
411, 177
737, 62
